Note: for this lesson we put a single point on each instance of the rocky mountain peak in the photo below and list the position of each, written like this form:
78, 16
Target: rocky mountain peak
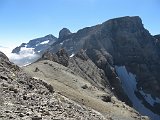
64, 32
129, 24
50, 36
39, 44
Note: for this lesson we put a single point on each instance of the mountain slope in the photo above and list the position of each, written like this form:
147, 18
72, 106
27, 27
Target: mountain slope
24, 97
121, 42
71, 85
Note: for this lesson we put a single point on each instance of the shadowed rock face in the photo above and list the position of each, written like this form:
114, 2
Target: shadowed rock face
157, 37
60, 57
64, 32
119, 41
157, 42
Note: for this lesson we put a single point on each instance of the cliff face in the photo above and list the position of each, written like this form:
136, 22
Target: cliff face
120, 42
135, 48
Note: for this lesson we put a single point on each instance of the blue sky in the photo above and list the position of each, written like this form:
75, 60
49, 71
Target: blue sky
22, 20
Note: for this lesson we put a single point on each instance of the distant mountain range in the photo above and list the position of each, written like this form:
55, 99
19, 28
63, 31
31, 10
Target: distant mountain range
39, 44
122, 48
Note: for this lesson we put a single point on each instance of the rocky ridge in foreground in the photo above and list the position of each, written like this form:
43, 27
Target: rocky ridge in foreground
26, 98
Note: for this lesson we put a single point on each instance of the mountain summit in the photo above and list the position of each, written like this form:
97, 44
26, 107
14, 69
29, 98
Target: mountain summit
64, 32
124, 49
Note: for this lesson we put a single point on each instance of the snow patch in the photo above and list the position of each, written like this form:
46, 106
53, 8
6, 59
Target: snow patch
72, 55
45, 42
61, 43
128, 81
149, 98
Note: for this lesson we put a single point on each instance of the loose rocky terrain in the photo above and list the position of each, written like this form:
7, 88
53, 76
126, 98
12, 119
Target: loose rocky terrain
27, 98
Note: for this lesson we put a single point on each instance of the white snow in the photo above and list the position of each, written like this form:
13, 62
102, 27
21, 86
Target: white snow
45, 42
42, 43
26, 51
37, 44
72, 55
129, 85
61, 43
149, 98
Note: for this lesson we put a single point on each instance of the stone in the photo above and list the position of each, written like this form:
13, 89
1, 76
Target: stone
85, 86
36, 118
21, 115
36, 69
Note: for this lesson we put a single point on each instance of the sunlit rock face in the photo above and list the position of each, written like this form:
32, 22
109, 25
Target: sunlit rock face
39, 44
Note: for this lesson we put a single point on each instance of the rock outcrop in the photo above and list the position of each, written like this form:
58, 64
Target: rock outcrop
60, 57
64, 32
